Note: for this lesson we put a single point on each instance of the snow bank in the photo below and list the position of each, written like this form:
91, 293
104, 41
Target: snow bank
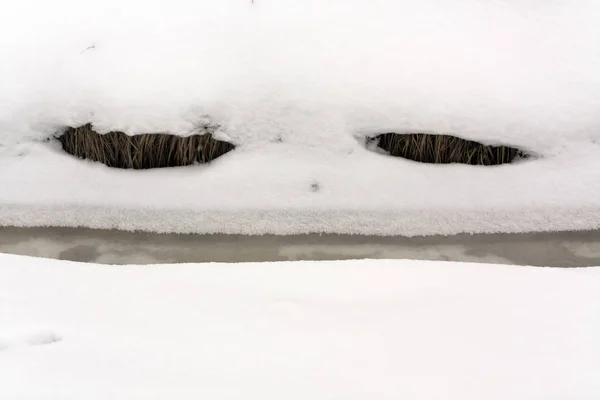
313, 75
351, 330
524, 72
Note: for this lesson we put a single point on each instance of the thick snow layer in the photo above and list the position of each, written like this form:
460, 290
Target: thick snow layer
313, 75
344, 330
525, 72
269, 191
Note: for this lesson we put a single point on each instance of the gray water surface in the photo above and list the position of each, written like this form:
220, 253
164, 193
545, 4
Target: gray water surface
564, 249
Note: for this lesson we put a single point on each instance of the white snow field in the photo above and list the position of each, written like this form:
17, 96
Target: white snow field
297, 85
302, 330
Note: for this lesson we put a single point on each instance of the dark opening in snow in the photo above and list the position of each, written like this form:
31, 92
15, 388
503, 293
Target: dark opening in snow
444, 149
145, 151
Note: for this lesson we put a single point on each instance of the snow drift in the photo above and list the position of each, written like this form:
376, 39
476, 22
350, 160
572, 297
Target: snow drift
295, 86
345, 330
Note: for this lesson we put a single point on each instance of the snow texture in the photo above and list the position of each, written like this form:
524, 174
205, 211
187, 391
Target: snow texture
303, 330
297, 85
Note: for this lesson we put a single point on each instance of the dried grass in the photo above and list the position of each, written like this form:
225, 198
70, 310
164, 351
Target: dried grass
445, 149
151, 150
157, 150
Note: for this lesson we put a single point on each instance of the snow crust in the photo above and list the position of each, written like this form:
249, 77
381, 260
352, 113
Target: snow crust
344, 330
296, 85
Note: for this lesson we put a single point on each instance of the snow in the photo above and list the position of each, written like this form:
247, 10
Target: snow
318, 76
299, 330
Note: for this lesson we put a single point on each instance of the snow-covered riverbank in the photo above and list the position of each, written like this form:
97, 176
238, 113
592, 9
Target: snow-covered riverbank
345, 329
296, 86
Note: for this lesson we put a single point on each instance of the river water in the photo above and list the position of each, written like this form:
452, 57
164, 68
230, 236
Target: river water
565, 249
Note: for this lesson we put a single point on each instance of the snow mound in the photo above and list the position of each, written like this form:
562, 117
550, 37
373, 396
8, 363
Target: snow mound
525, 72
293, 84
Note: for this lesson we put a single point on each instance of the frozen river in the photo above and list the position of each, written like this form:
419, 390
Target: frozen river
565, 249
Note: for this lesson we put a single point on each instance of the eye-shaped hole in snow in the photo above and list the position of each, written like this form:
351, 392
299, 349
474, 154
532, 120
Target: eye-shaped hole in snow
443, 149
145, 151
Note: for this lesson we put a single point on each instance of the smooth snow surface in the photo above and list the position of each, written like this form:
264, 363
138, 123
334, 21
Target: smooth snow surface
328, 330
296, 85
